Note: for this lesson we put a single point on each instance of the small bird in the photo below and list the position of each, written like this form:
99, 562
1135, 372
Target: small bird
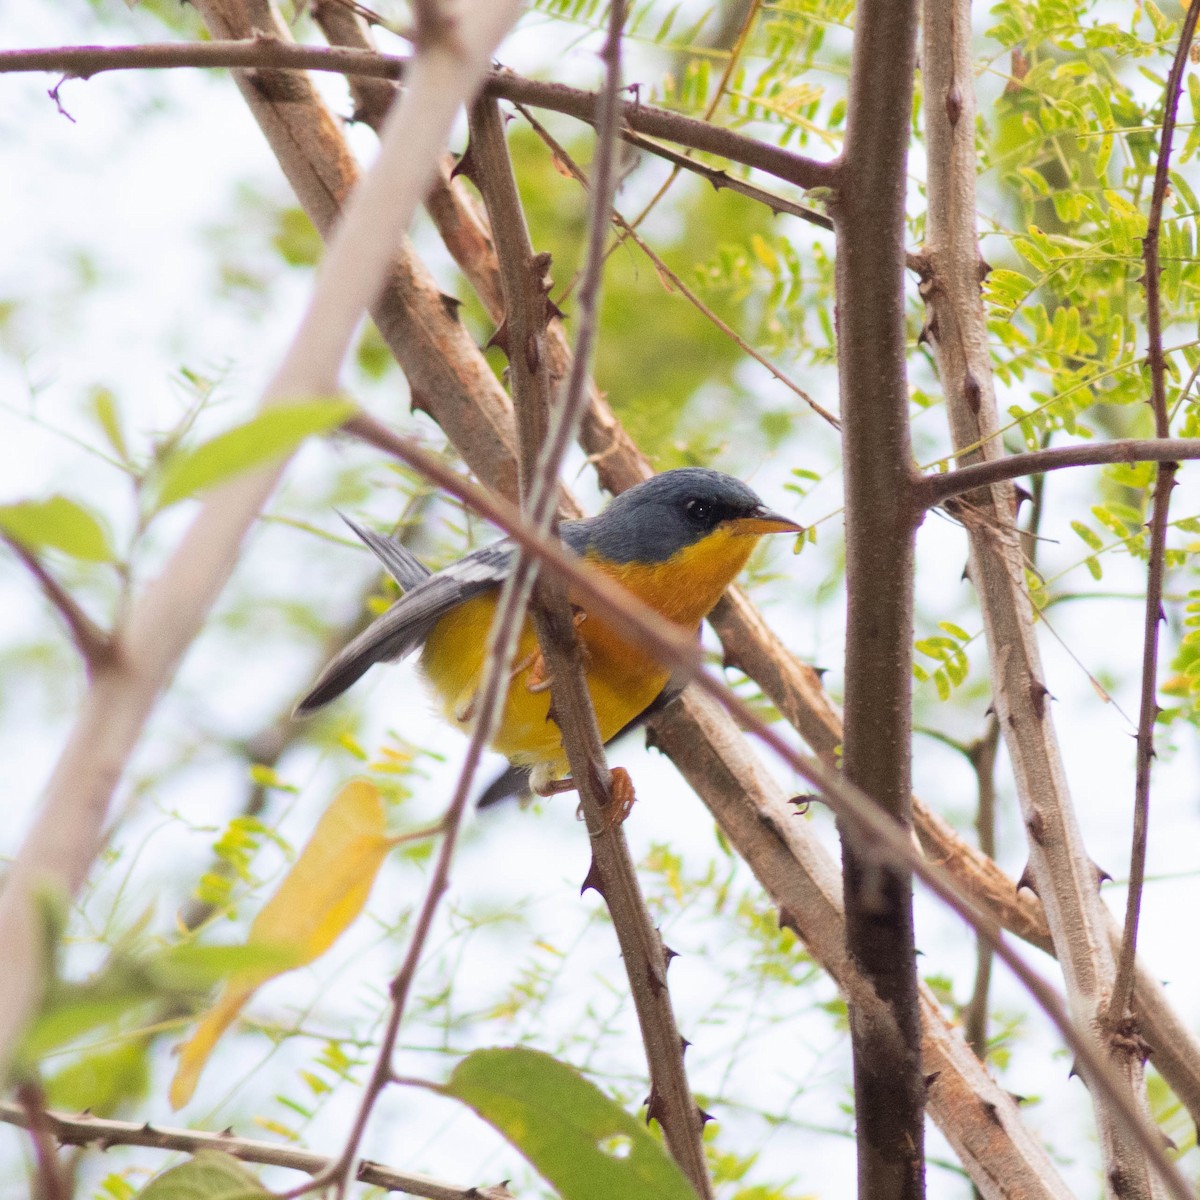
676, 542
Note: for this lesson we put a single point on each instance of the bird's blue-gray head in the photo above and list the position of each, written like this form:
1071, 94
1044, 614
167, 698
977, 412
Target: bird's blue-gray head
654, 520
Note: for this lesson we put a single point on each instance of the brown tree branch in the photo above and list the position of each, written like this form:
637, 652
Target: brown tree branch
881, 522
1122, 992
261, 51
981, 754
979, 1118
722, 180
933, 490
615, 464
1060, 869
793, 687
745, 25
796, 691
94, 645
86, 1130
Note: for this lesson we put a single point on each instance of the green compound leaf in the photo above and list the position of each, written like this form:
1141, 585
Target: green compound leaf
272, 434
208, 1176
57, 524
584, 1144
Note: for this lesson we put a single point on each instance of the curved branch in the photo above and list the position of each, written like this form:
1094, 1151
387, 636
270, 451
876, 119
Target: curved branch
933, 490
102, 1133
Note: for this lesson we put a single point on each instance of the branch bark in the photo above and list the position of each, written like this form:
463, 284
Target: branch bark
96, 1131
1059, 868
999, 467
980, 1119
877, 832
270, 49
881, 521
1122, 992
750, 645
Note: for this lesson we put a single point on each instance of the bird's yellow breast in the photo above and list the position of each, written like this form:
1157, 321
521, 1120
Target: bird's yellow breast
622, 680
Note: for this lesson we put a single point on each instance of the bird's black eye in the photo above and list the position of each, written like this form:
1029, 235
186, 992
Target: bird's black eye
699, 511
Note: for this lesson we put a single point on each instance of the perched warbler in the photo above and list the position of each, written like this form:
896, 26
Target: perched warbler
675, 541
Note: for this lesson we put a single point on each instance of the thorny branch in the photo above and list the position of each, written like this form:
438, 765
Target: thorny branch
933, 490
275, 54
750, 644
685, 162
993, 1145
1059, 868
1122, 992
86, 1130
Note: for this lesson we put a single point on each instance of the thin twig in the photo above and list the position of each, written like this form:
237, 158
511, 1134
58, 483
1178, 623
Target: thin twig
50, 1184
274, 54
1122, 992
981, 754
722, 180
636, 622
86, 1130
684, 162
672, 280
94, 645
933, 490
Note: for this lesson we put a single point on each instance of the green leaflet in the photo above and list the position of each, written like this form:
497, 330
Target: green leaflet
208, 1176
58, 524
273, 433
583, 1143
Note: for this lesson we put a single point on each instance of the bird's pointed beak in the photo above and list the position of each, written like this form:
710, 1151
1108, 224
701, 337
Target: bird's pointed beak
763, 520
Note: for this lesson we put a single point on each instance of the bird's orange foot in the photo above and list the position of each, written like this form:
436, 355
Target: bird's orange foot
621, 795
538, 680
621, 798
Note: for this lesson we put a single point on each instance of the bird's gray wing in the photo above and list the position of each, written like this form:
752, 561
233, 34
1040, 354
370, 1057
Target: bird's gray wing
398, 560
409, 621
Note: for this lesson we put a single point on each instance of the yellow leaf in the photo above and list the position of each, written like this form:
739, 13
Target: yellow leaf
317, 901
